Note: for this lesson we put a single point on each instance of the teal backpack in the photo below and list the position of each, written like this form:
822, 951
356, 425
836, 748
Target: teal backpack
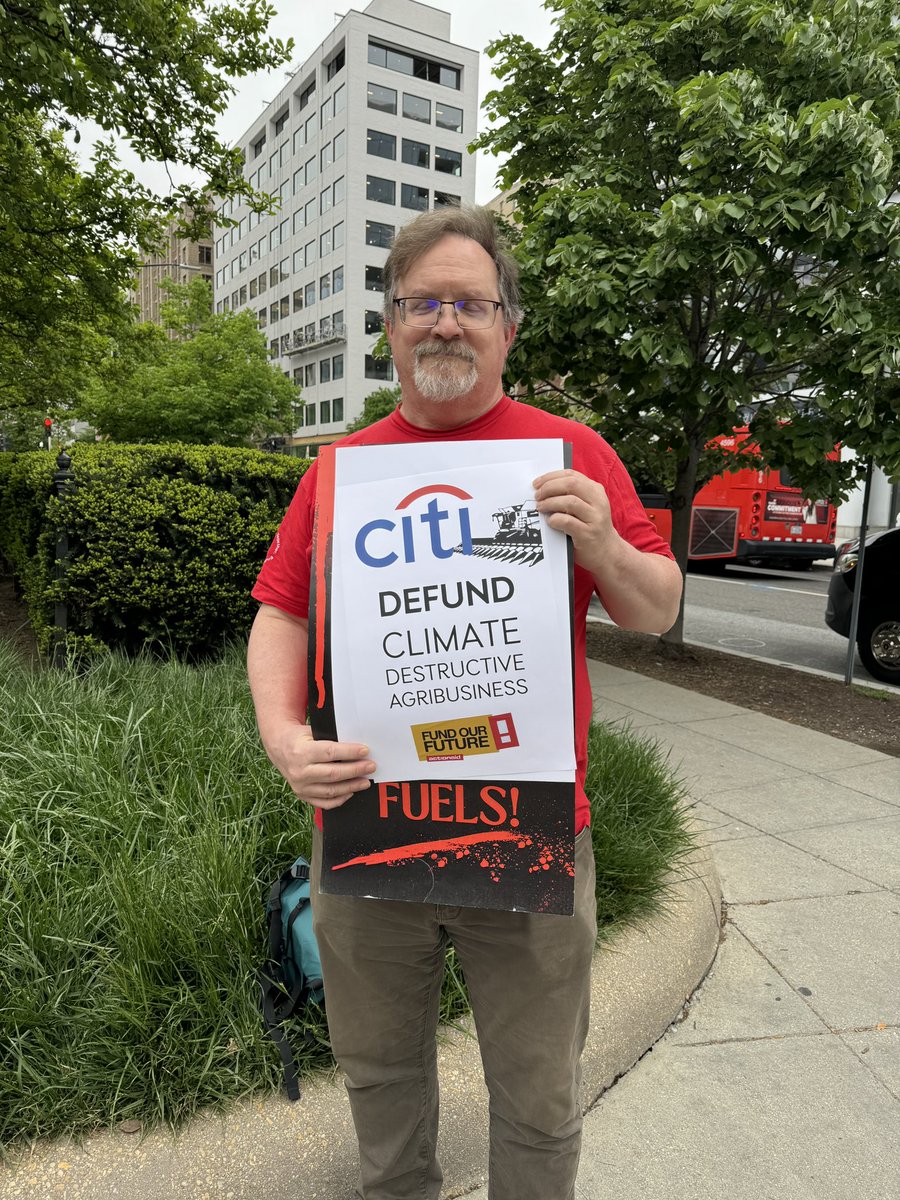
292, 976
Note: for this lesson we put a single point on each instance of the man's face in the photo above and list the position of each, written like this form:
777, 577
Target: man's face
445, 363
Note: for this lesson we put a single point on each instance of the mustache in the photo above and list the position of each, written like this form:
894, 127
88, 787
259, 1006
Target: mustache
444, 350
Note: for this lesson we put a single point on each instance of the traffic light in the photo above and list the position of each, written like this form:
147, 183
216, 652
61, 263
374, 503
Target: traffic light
48, 430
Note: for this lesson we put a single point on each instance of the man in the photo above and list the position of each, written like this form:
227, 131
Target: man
451, 312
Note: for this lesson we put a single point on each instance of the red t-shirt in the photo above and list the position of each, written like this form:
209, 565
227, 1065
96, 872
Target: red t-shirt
284, 579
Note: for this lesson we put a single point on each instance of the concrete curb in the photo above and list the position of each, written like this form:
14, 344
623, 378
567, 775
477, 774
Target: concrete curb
641, 980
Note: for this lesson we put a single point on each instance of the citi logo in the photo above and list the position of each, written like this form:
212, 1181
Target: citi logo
435, 532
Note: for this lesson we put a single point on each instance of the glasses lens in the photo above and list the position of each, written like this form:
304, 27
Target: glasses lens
475, 314
419, 311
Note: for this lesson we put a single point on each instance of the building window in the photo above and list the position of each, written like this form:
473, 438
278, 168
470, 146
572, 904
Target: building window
416, 108
274, 277
340, 143
415, 65
242, 262
298, 377
298, 261
443, 199
325, 243
285, 306
417, 154
309, 331
310, 211
338, 191
280, 122
309, 414
336, 64
340, 99
337, 367
337, 409
324, 287
273, 163
446, 116
257, 147
379, 234
379, 368
325, 201
298, 300
338, 235
274, 312
309, 170
325, 114
306, 95
205, 253
243, 296
325, 412
413, 197
274, 239
384, 191
262, 283
310, 375
337, 280
254, 289
374, 279
337, 321
309, 253
310, 294
326, 156
284, 269
382, 98
373, 321
262, 318
299, 221
299, 142
325, 370
382, 145
448, 161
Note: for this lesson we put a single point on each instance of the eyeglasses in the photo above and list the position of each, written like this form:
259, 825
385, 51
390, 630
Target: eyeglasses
470, 314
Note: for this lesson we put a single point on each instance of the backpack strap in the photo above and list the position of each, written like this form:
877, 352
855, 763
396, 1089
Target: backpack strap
272, 1018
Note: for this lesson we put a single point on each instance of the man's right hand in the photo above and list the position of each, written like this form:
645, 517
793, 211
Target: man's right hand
324, 774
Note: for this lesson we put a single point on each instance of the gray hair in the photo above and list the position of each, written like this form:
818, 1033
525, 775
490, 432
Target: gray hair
426, 230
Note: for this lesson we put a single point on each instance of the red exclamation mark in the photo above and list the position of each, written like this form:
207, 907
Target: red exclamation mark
514, 800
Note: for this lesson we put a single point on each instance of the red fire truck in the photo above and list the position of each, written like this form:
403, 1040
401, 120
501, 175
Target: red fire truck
752, 516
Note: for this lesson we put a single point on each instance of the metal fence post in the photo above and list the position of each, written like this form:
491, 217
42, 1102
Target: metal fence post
63, 478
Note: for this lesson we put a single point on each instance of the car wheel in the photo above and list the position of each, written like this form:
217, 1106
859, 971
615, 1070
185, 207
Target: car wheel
879, 647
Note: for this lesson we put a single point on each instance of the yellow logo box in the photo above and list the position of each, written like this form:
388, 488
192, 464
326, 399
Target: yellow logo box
455, 739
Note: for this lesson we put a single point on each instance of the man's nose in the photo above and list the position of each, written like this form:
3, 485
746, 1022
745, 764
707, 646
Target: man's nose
447, 324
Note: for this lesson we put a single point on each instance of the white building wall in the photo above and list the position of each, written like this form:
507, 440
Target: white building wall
276, 246
883, 506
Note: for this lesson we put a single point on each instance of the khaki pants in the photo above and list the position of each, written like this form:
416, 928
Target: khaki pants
529, 982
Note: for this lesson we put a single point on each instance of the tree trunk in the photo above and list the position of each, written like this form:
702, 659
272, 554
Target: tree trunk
681, 499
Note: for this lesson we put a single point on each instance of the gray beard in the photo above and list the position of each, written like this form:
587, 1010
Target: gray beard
437, 371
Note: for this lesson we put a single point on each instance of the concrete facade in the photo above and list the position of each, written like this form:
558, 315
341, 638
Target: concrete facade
180, 259
372, 128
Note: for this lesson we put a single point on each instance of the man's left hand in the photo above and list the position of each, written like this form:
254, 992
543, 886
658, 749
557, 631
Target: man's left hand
578, 506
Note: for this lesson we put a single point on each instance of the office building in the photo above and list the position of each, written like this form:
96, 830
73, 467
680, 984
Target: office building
179, 259
369, 131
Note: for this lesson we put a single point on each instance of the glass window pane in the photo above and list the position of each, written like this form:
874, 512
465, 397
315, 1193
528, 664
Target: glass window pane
377, 55
310, 293
337, 367
382, 190
339, 190
416, 108
338, 235
442, 199
379, 368
382, 98
413, 197
325, 370
448, 117
382, 145
325, 412
337, 408
324, 287
379, 234
374, 279
373, 321
340, 142
448, 161
417, 154
337, 279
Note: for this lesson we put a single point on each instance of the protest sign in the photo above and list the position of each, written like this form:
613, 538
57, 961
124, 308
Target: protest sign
441, 636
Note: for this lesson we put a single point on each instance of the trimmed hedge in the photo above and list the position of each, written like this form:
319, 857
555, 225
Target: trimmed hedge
164, 541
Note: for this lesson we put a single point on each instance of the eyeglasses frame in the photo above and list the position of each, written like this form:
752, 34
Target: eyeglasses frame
401, 302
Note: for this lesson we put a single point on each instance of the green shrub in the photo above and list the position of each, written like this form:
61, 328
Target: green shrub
164, 541
140, 827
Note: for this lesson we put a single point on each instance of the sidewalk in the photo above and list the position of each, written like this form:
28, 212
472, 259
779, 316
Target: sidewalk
783, 1078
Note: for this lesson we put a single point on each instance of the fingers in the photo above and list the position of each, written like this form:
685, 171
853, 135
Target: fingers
322, 773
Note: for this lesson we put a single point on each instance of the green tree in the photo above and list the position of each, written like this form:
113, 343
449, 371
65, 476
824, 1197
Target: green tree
65, 257
211, 383
378, 404
704, 192
155, 72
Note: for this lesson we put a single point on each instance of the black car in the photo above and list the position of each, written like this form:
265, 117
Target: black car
878, 631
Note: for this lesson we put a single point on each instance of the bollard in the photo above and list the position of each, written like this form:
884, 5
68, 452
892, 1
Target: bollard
63, 478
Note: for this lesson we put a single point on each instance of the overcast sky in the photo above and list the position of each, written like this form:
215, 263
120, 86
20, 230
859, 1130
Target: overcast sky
473, 23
